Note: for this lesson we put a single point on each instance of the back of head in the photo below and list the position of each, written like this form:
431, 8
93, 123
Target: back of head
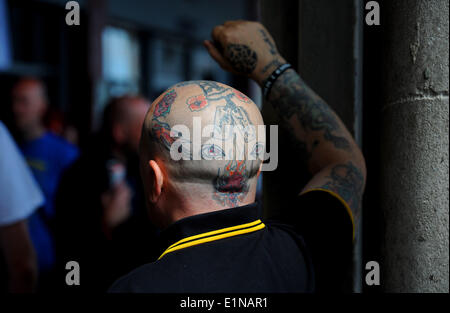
122, 121
205, 133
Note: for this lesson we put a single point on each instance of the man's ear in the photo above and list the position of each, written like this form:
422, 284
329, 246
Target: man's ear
157, 185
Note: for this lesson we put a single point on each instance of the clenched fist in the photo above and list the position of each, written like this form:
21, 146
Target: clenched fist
244, 48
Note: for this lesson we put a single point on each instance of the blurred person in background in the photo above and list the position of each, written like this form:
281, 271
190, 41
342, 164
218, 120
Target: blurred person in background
48, 155
101, 216
20, 196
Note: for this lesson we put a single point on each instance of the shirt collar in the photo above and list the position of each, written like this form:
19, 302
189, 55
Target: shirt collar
207, 222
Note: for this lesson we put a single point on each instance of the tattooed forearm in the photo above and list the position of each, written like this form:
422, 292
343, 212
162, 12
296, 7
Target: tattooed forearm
322, 138
291, 96
348, 182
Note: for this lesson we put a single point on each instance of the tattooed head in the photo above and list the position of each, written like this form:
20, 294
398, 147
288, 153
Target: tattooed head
213, 129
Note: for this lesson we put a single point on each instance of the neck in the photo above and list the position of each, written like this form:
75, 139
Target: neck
33, 132
196, 201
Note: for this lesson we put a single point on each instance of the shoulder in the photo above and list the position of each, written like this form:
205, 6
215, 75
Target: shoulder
317, 212
281, 237
61, 146
149, 278
58, 141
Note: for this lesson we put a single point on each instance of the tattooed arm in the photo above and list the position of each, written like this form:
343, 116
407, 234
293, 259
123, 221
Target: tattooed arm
329, 151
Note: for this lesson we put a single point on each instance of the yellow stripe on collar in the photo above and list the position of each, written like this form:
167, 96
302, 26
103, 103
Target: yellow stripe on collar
215, 235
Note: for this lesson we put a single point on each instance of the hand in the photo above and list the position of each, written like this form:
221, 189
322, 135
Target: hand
244, 48
116, 205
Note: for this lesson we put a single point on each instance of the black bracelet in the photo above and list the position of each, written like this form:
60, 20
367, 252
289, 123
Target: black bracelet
272, 78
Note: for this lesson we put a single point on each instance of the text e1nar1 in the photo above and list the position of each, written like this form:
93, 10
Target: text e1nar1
235, 302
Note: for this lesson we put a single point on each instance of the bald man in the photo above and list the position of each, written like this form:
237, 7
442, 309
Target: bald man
206, 103
203, 194
48, 156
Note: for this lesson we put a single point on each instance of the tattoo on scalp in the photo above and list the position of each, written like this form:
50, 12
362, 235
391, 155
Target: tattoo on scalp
231, 184
162, 108
242, 58
228, 114
160, 130
347, 181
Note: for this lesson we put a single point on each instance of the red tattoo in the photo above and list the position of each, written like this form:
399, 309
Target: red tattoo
164, 105
231, 186
161, 131
197, 103
242, 97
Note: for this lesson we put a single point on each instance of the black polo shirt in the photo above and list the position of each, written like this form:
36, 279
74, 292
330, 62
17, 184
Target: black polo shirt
234, 251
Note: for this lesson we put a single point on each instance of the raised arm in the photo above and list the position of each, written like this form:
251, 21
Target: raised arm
329, 151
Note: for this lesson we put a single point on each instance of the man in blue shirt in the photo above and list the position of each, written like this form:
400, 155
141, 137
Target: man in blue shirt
47, 155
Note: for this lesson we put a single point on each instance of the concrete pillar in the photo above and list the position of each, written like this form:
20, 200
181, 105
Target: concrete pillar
414, 147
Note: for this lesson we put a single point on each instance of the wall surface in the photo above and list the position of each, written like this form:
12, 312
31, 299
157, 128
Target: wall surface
415, 146
194, 17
